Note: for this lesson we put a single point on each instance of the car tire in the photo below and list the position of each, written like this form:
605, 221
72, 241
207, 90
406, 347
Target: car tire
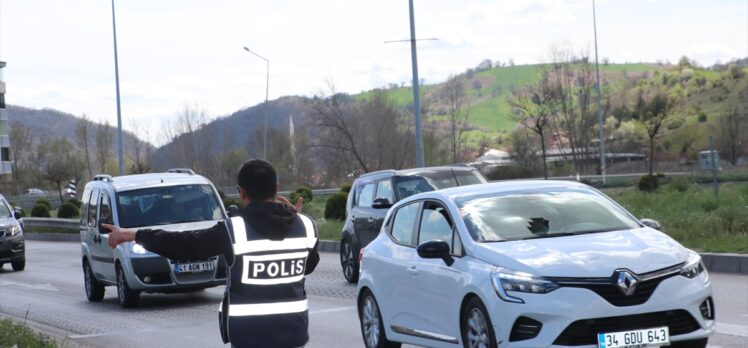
18, 265
349, 261
700, 343
477, 330
126, 297
94, 289
372, 325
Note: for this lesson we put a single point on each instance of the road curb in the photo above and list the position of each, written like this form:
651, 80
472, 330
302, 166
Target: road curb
714, 262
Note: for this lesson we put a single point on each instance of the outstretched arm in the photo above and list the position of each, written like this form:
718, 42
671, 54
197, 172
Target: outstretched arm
187, 245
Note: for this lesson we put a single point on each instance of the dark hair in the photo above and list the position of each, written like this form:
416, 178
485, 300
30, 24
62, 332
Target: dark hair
258, 178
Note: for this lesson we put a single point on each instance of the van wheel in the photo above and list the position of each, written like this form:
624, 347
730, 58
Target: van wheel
18, 265
127, 298
477, 330
349, 261
372, 325
94, 289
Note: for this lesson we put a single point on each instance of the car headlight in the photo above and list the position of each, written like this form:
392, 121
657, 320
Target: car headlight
505, 280
693, 267
15, 229
137, 249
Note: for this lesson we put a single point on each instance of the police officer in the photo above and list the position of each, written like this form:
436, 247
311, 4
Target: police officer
269, 250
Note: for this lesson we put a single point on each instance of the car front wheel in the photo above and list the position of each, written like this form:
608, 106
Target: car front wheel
18, 265
127, 297
477, 331
94, 289
372, 326
349, 261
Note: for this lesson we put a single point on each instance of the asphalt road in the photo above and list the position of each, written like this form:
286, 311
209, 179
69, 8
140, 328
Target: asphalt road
49, 294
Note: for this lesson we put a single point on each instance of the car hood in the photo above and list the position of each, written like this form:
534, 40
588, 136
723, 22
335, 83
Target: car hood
589, 255
7, 222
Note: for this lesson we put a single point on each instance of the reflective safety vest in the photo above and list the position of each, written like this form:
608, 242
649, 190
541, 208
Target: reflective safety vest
265, 303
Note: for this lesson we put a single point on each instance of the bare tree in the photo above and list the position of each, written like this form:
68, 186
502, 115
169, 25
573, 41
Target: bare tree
572, 79
21, 151
82, 137
183, 135
61, 164
140, 149
103, 145
732, 133
652, 112
453, 93
533, 108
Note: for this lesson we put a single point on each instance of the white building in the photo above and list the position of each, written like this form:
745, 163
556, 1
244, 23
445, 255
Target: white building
5, 161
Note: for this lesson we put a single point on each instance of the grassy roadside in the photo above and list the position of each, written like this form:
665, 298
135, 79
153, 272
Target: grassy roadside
13, 334
692, 215
327, 229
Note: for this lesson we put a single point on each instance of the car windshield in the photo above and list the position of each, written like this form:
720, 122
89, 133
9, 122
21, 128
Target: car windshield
436, 180
4, 211
550, 212
167, 205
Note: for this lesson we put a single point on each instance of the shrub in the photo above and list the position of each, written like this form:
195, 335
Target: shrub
649, 183
40, 210
346, 188
301, 192
231, 201
44, 202
680, 184
335, 206
709, 206
67, 211
702, 117
74, 201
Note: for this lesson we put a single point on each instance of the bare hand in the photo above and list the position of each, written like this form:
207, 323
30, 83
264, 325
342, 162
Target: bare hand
298, 206
118, 235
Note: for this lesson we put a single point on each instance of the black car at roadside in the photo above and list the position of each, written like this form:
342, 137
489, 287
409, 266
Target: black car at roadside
12, 245
372, 194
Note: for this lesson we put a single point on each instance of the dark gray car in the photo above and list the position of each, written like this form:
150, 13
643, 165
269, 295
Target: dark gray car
372, 194
12, 245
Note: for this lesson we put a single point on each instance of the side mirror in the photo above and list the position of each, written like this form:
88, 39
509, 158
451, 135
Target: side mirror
436, 249
17, 214
102, 230
381, 203
651, 224
232, 211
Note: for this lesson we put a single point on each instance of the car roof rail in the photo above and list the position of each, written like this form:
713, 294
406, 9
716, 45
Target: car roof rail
103, 177
379, 172
181, 171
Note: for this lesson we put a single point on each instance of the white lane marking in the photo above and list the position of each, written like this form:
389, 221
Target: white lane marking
43, 287
732, 329
331, 310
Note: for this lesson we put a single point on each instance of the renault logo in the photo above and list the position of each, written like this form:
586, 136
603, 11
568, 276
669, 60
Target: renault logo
626, 282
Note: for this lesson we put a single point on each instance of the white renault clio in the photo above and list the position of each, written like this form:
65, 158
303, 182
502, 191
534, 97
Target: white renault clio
529, 264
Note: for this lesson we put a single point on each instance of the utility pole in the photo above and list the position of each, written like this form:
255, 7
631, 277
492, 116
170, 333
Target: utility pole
599, 99
265, 106
120, 147
416, 90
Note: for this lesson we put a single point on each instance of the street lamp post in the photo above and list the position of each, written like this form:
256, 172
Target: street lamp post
599, 99
120, 147
265, 113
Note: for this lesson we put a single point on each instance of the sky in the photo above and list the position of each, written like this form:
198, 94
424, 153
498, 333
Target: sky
174, 53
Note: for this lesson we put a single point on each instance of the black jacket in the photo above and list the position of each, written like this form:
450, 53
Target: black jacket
269, 218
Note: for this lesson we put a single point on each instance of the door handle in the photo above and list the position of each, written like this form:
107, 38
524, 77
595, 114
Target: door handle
412, 270
370, 219
353, 218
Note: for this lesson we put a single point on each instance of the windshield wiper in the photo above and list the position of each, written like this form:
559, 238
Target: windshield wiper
551, 235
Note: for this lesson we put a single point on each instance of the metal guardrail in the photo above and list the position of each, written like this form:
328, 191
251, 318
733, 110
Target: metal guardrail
65, 224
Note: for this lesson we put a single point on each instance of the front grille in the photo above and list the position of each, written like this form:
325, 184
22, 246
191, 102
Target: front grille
611, 292
524, 329
584, 332
608, 288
